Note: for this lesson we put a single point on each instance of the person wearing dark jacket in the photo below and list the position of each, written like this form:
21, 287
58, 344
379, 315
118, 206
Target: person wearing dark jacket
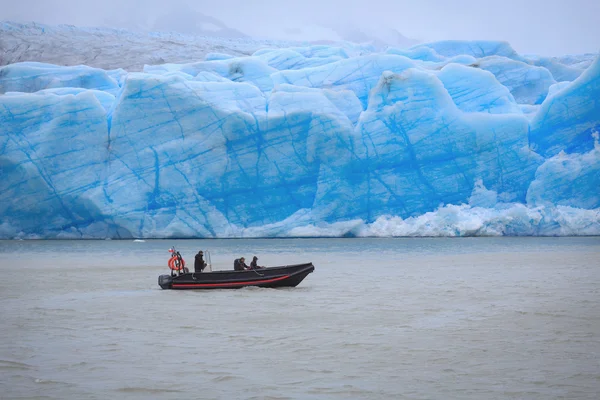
254, 263
199, 263
240, 264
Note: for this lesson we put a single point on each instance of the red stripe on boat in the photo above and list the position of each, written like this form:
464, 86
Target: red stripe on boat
183, 285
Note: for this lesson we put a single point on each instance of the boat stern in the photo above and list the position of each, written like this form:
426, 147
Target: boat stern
165, 281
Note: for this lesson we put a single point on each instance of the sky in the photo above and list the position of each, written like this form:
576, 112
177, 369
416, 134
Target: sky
543, 27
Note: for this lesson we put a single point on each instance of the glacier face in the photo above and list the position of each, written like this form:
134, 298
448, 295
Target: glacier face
450, 138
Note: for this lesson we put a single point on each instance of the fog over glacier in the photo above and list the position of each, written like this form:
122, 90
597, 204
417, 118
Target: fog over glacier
544, 27
239, 137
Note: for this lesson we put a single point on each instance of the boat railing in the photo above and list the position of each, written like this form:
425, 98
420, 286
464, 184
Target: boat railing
209, 261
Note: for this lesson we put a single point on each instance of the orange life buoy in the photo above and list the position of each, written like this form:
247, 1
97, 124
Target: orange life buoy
176, 263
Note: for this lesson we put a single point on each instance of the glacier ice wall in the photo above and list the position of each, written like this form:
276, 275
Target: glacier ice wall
444, 139
569, 118
528, 84
31, 77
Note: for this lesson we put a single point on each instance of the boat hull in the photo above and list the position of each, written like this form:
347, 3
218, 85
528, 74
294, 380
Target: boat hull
284, 276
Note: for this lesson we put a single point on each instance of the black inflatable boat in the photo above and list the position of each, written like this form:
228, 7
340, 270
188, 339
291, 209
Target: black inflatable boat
272, 277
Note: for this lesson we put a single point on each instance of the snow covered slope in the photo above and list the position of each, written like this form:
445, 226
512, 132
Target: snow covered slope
113, 48
304, 140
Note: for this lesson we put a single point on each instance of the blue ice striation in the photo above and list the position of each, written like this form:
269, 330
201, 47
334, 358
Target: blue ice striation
453, 138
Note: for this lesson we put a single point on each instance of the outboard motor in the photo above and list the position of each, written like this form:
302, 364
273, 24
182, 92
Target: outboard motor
165, 281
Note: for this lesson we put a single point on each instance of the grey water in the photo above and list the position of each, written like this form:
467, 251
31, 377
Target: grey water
469, 318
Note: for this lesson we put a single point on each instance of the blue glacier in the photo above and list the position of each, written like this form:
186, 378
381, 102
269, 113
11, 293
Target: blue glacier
475, 90
569, 119
454, 138
243, 69
527, 83
359, 74
475, 48
31, 77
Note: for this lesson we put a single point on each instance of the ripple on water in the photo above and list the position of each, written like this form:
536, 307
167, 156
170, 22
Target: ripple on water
8, 365
51, 382
145, 390
225, 378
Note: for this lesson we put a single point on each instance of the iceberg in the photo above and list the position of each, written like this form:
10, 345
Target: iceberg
52, 155
477, 90
287, 59
30, 77
559, 71
419, 150
475, 48
455, 138
568, 119
527, 83
242, 69
568, 179
421, 53
358, 74
106, 99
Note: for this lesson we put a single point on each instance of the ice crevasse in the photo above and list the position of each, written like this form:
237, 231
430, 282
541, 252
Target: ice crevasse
450, 138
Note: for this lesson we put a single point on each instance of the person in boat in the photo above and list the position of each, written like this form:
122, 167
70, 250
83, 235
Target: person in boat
199, 263
240, 264
254, 263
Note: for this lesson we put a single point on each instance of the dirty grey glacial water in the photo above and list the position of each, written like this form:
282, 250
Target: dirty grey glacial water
470, 318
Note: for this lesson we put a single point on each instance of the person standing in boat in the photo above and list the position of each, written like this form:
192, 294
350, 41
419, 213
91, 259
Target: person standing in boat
254, 263
199, 263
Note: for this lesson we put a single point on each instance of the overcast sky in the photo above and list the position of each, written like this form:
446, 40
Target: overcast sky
545, 27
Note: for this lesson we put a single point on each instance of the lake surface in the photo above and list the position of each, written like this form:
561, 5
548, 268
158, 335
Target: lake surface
461, 318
